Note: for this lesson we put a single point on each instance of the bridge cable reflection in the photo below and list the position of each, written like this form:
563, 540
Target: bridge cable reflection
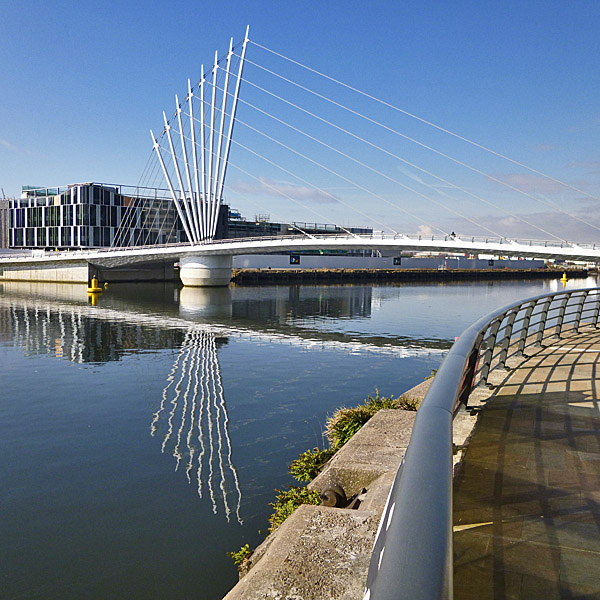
195, 392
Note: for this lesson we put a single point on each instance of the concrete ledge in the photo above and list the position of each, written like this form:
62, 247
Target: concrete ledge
319, 553
324, 553
377, 448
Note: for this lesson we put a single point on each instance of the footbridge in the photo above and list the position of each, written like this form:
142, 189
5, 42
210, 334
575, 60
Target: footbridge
209, 263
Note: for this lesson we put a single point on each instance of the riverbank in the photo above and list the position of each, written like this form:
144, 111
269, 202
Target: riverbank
275, 276
321, 552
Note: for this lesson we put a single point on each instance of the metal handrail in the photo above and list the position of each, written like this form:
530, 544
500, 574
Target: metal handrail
412, 556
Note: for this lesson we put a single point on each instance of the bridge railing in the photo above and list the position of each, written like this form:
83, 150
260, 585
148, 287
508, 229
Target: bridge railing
458, 241
412, 556
417, 237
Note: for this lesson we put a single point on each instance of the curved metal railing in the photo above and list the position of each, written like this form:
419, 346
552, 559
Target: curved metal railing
412, 555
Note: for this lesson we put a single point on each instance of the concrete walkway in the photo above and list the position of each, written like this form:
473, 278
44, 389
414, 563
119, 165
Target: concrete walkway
527, 499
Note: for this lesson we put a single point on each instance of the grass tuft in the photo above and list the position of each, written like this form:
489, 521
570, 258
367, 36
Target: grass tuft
309, 464
345, 422
241, 558
287, 502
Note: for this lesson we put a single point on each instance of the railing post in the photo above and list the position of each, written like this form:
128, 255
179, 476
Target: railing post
543, 319
596, 311
579, 310
504, 344
489, 351
469, 376
525, 328
561, 313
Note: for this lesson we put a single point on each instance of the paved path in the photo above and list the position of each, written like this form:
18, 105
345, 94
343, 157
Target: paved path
527, 502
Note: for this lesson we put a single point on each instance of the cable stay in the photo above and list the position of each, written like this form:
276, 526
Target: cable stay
426, 122
392, 155
423, 145
384, 175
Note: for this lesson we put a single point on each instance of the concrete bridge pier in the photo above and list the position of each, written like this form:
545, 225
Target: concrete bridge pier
206, 271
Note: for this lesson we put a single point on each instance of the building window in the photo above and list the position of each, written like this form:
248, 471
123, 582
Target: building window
40, 236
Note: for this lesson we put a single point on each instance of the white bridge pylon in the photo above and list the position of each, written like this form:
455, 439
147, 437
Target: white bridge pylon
198, 202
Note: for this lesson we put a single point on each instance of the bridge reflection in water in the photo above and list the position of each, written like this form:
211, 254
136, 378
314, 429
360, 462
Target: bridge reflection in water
191, 413
193, 416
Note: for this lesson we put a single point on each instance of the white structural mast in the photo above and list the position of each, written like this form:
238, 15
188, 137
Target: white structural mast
198, 197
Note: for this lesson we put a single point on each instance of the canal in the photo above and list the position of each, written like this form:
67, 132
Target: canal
142, 438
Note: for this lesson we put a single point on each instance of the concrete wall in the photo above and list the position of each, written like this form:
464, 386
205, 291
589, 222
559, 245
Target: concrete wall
144, 272
275, 261
69, 273
82, 272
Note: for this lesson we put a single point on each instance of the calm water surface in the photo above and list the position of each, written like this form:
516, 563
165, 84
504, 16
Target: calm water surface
142, 438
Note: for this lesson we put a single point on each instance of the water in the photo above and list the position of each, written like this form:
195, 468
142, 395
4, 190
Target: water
142, 438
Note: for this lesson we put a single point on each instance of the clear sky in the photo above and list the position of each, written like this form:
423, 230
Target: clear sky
81, 84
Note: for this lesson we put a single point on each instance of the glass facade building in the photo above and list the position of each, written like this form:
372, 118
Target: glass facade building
98, 215
91, 215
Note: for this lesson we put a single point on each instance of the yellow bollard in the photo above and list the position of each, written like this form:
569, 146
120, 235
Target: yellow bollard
94, 288
564, 280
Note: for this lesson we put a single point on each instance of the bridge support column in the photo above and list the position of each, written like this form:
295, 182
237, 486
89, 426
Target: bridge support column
206, 271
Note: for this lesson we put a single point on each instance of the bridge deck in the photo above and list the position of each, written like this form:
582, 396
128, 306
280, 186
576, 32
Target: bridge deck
527, 503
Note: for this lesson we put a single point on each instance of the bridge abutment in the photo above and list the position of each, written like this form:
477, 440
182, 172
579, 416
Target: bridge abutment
206, 271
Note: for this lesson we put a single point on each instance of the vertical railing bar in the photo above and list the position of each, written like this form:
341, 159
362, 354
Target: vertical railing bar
489, 351
561, 314
525, 330
579, 310
596, 311
543, 318
469, 375
504, 344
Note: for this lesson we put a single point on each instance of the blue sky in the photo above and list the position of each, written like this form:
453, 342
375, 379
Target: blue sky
83, 82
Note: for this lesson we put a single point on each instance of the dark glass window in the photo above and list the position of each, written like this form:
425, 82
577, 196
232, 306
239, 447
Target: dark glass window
97, 192
65, 233
51, 216
41, 236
